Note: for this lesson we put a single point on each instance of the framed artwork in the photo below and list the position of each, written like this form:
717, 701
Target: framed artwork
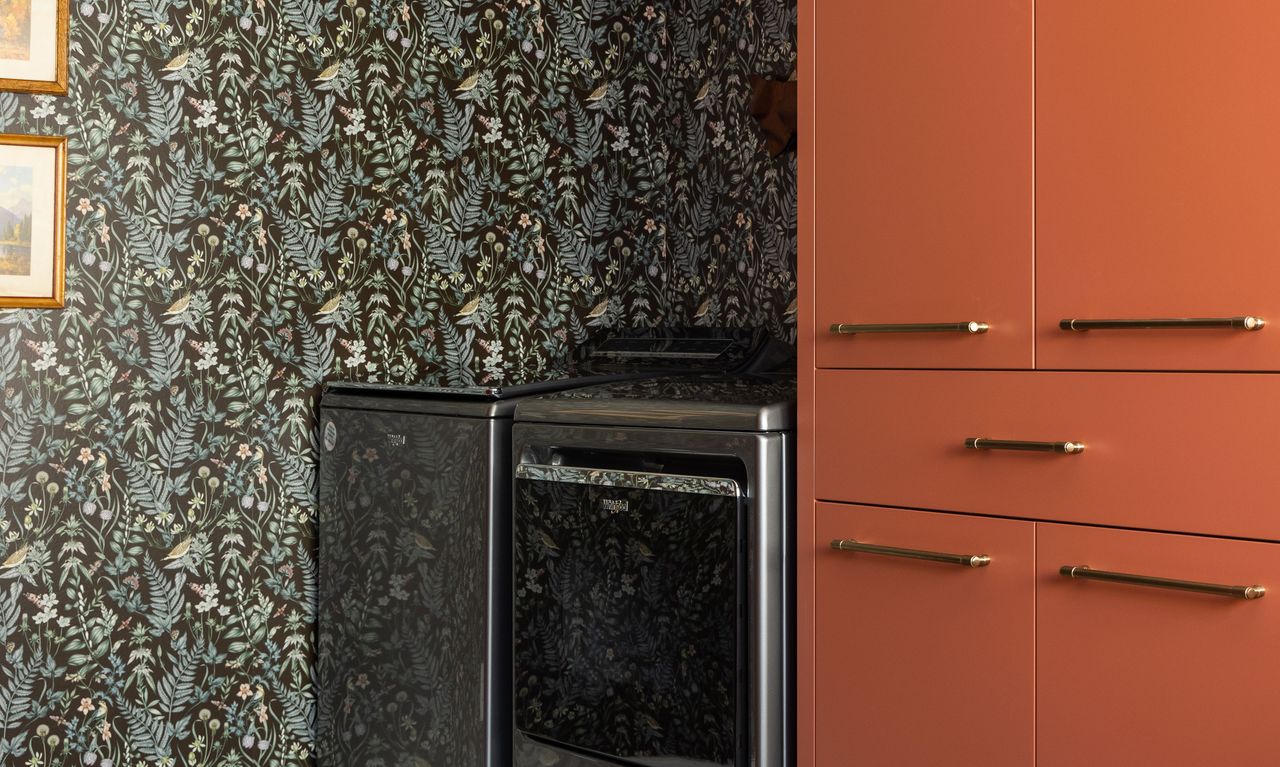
33, 176
33, 45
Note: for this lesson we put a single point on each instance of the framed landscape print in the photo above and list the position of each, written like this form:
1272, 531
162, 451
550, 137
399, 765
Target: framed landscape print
33, 45
33, 171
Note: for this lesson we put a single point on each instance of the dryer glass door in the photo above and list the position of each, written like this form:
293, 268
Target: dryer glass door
630, 614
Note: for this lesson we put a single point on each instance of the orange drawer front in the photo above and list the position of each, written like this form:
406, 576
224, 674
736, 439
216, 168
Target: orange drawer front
1178, 452
1135, 675
924, 662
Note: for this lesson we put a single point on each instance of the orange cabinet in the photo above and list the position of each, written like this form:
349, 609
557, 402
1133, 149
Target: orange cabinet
1094, 183
1131, 675
924, 662
1157, 181
923, 185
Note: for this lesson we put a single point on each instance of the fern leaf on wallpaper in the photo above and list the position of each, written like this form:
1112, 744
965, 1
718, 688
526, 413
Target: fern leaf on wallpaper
317, 119
149, 245
458, 127
8, 108
148, 733
317, 351
176, 443
306, 16
15, 697
326, 205
164, 110
444, 22
164, 598
572, 249
571, 31
685, 256
176, 199
599, 10
310, 572
299, 476
165, 356
153, 12
15, 439
446, 252
9, 357
9, 612
596, 213
306, 250
458, 353
176, 688
148, 488
684, 38
467, 206
299, 711
588, 138
695, 134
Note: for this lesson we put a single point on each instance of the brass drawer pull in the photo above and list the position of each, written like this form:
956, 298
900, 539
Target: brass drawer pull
1235, 592
919, 327
1065, 448
1236, 323
965, 560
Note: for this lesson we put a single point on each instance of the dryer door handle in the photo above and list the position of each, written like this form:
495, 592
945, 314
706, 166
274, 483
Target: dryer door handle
630, 480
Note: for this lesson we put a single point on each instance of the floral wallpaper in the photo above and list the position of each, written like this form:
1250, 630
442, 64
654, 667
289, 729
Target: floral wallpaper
268, 193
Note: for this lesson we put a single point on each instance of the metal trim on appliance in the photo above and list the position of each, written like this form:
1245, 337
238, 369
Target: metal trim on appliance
770, 517
673, 483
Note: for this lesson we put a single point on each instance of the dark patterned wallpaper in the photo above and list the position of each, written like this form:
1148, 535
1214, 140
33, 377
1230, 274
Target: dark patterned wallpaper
266, 193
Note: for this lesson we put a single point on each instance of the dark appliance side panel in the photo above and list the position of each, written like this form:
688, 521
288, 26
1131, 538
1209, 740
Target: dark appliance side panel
404, 669
629, 640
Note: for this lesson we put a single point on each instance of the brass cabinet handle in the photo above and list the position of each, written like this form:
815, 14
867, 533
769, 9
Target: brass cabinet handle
965, 560
1235, 592
1065, 448
919, 327
1237, 323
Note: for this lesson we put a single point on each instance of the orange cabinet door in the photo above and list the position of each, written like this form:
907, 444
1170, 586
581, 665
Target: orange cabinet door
1157, 181
919, 662
1136, 675
923, 181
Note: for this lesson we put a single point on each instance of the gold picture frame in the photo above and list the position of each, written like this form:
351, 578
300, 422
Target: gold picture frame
33, 218
31, 62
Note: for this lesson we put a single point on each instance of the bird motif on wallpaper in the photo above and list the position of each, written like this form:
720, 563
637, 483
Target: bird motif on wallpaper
422, 542
468, 84
702, 309
330, 306
180, 550
469, 308
598, 310
15, 559
329, 72
177, 62
702, 92
178, 307
599, 93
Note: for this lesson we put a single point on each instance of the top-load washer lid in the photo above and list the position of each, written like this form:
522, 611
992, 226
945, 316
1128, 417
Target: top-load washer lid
762, 402
609, 356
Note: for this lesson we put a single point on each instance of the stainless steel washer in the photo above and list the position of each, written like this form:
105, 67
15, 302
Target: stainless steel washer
652, 540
